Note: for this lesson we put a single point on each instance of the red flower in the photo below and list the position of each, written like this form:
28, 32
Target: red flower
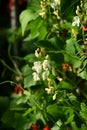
34, 127
65, 66
46, 127
18, 89
84, 28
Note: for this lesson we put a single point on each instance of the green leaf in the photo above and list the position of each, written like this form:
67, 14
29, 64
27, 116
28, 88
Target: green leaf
37, 29
83, 112
34, 5
74, 126
28, 77
16, 107
57, 125
26, 16
83, 73
65, 85
54, 111
53, 44
30, 58
56, 42
29, 111
40, 116
73, 60
71, 56
22, 100
70, 48
45, 44
70, 119
42, 32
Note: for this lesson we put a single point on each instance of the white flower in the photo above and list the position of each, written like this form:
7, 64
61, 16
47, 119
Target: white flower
76, 21
37, 53
37, 66
54, 96
45, 75
36, 76
46, 65
57, 1
42, 14
60, 79
53, 6
49, 90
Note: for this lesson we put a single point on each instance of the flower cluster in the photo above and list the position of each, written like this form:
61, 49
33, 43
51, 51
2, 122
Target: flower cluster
42, 68
43, 71
81, 14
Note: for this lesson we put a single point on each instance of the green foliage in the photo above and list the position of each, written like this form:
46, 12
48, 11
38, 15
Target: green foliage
52, 90
72, 52
28, 78
29, 15
83, 111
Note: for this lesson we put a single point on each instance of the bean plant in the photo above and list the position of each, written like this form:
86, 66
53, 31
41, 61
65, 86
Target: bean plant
50, 87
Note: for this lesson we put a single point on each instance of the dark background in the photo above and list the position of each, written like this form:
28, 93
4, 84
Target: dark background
5, 74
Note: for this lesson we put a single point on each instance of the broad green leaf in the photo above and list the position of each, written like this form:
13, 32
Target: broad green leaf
53, 44
71, 56
42, 32
70, 48
26, 16
56, 42
28, 77
34, 28
28, 81
37, 29
72, 59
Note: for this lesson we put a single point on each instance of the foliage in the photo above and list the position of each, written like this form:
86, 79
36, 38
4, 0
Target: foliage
52, 91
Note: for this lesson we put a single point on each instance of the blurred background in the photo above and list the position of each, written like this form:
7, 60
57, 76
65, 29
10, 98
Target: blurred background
10, 40
9, 34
